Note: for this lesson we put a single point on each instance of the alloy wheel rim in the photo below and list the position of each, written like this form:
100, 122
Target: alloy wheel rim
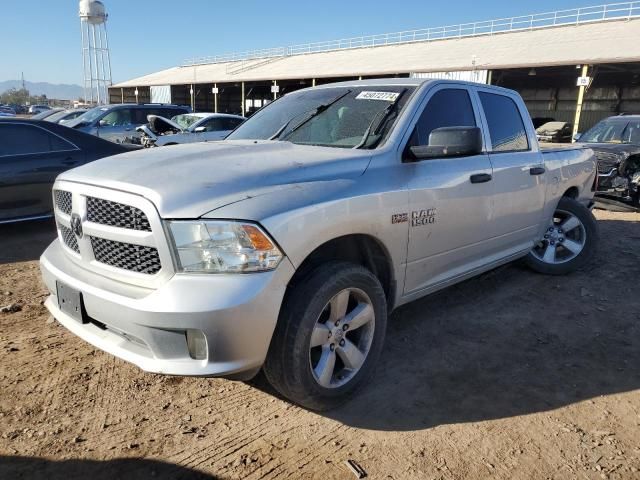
342, 338
563, 240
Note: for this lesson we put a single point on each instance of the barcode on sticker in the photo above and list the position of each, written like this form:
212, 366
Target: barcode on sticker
384, 96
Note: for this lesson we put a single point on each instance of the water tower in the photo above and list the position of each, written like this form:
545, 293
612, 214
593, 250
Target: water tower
96, 61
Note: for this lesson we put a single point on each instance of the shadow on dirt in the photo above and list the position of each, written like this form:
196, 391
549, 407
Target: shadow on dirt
510, 343
24, 241
121, 468
507, 343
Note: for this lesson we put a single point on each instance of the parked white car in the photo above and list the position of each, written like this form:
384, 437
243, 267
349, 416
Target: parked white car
35, 109
187, 128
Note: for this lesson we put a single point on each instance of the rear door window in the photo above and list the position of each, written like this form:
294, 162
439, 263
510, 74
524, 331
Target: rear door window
231, 123
29, 140
117, 118
506, 127
212, 125
140, 115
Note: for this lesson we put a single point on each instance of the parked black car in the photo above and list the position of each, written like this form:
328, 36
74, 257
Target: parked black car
616, 143
32, 154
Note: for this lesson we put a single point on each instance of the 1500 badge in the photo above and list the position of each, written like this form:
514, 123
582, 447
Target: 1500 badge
423, 217
399, 218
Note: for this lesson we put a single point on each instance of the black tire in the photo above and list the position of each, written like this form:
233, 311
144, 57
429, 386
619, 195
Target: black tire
288, 366
590, 225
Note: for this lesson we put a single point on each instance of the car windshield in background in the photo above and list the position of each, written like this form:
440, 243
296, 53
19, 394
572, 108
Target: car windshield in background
185, 120
616, 130
63, 114
90, 115
56, 116
341, 117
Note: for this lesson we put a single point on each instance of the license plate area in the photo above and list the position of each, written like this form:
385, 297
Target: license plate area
70, 302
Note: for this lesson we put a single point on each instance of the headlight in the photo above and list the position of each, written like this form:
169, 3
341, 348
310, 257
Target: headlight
222, 246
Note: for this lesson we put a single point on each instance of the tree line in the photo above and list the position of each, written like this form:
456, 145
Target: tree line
21, 96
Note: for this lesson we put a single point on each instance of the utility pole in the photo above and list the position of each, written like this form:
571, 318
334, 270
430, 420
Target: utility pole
576, 121
242, 107
23, 84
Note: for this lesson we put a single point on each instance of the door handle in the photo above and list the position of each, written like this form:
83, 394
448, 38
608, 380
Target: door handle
536, 170
480, 178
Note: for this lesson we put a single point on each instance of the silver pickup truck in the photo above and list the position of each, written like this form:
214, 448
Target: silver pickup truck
285, 247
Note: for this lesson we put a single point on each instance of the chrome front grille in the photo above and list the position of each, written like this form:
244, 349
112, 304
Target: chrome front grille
135, 258
106, 212
113, 233
69, 238
62, 200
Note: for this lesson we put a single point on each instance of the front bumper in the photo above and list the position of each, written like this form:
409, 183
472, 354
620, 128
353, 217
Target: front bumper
237, 314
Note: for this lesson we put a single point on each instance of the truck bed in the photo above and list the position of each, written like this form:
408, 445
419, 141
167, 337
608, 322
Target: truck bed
559, 147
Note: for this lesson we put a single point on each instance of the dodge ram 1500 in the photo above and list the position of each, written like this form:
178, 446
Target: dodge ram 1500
285, 247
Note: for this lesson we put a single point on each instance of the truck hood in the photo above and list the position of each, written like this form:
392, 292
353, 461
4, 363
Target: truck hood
631, 148
188, 181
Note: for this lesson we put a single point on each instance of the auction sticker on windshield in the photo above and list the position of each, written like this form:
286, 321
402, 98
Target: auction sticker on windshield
384, 96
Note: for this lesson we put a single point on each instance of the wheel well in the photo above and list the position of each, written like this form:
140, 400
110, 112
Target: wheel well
573, 192
359, 249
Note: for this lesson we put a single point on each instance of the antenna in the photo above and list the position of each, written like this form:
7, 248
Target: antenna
96, 60
23, 84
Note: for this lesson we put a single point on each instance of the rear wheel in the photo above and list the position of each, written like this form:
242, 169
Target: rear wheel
329, 336
569, 241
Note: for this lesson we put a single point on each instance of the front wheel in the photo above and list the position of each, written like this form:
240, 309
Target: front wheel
329, 336
569, 241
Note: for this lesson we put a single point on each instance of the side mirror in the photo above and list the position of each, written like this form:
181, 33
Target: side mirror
102, 123
576, 137
200, 129
450, 142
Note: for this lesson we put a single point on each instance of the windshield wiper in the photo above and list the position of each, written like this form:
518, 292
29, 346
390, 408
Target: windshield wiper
312, 114
384, 114
288, 122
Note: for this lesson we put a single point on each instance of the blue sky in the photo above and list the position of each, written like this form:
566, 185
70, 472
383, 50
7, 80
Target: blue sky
42, 38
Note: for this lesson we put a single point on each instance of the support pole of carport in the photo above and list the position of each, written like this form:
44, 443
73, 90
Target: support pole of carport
275, 90
313, 82
121, 95
215, 98
242, 102
193, 102
576, 120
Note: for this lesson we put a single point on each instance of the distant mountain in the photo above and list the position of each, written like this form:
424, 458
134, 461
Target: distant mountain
60, 92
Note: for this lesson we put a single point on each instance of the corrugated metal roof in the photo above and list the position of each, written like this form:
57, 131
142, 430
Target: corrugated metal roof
597, 42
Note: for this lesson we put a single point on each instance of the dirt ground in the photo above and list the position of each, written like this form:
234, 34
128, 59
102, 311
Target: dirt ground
510, 375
